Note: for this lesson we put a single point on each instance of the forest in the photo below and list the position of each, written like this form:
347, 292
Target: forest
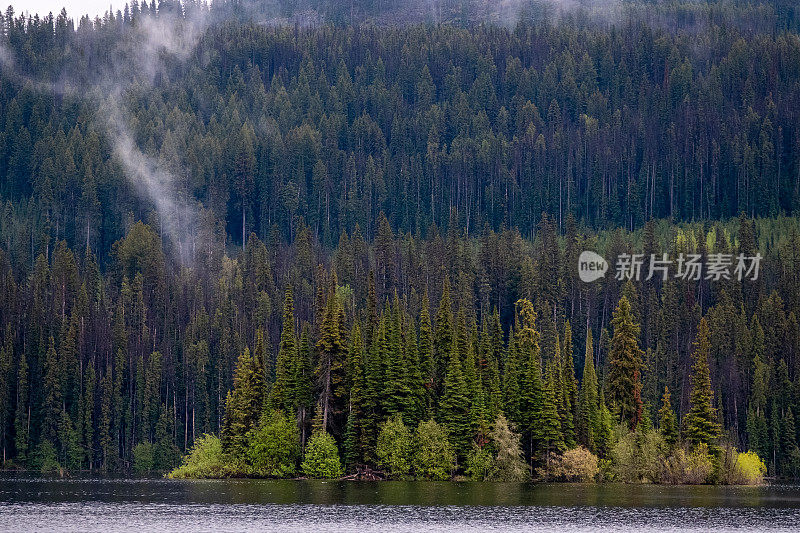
315, 241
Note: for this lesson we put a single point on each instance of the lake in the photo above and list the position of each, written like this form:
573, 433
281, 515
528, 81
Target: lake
318, 506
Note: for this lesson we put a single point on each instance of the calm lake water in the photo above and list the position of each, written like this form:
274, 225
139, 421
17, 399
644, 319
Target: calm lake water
313, 506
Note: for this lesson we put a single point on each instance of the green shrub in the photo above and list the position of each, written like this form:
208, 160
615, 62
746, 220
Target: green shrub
204, 460
274, 447
395, 447
322, 457
434, 457
45, 459
142, 458
577, 464
637, 455
691, 467
480, 463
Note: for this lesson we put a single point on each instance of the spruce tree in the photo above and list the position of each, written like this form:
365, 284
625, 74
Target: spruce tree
570, 387
625, 364
280, 397
355, 442
330, 361
22, 415
588, 402
454, 405
243, 404
668, 424
53, 398
701, 425
426, 358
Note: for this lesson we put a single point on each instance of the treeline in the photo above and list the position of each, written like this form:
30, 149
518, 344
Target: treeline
449, 327
615, 124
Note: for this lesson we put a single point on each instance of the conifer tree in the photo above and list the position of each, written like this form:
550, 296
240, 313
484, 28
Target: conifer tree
570, 387
243, 404
428, 365
300, 384
511, 382
701, 420
588, 402
22, 416
532, 393
53, 397
625, 364
443, 336
355, 441
668, 425
280, 397
330, 365
549, 434
454, 405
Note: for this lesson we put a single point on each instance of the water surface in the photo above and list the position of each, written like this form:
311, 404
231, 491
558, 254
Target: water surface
318, 506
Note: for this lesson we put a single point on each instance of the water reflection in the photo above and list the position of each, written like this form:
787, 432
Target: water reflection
310, 506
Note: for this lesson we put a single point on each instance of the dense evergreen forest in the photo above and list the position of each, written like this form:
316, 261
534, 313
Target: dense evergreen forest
372, 230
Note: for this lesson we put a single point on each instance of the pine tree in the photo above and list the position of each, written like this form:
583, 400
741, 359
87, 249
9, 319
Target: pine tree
22, 416
280, 397
588, 402
330, 365
243, 404
549, 433
425, 351
443, 337
53, 397
355, 441
701, 424
570, 388
625, 362
300, 383
454, 405
532, 393
668, 424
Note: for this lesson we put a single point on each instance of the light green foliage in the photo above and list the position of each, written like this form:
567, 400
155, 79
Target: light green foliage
688, 466
322, 457
509, 464
577, 464
636, 455
434, 457
742, 468
274, 447
204, 460
394, 448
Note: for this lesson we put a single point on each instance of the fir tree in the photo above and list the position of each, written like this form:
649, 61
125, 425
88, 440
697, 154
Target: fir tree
454, 405
668, 424
588, 402
280, 397
701, 424
625, 364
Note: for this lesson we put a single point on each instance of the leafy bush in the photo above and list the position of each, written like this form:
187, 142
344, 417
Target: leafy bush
480, 463
274, 447
45, 459
637, 455
395, 447
204, 460
577, 464
142, 458
434, 457
322, 457
509, 464
692, 467
744, 468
